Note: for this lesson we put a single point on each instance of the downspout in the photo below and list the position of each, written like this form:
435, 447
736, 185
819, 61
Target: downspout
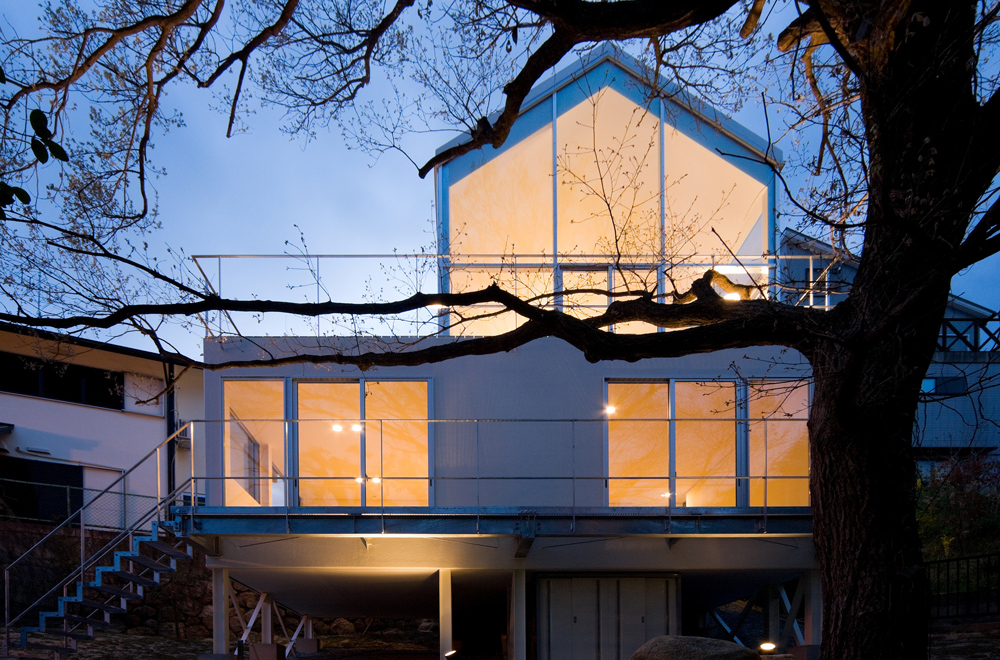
171, 429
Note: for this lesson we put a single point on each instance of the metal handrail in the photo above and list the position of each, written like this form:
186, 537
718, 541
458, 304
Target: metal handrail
85, 562
103, 492
97, 556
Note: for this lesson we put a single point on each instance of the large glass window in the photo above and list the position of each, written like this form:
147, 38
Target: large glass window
254, 443
363, 443
779, 443
708, 443
639, 444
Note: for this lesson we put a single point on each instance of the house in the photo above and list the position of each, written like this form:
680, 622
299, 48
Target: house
76, 414
537, 505
530, 500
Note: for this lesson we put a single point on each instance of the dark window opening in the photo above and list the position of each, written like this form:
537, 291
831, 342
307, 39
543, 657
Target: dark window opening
20, 374
37, 490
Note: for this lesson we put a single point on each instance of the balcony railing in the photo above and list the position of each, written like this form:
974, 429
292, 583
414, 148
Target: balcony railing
373, 465
796, 279
970, 334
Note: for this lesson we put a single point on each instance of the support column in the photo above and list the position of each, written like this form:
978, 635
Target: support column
773, 628
517, 627
813, 633
444, 612
220, 610
266, 624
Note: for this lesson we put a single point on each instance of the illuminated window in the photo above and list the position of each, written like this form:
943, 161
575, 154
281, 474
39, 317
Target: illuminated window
363, 442
686, 443
779, 443
254, 442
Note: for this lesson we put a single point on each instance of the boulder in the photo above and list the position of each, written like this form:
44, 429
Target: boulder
670, 647
341, 627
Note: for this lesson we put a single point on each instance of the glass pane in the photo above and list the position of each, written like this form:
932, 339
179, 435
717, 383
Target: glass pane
706, 443
490, 320
608, 167
583, 305
635, 280
254, 442
639, 444
505, 206
396, 443
779, 443
705, 190
329, 444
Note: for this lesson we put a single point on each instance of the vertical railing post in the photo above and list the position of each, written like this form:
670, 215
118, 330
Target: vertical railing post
159, 486
6, 611
478, 499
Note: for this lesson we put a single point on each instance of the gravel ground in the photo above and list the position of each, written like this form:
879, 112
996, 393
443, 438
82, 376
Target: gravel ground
968, 645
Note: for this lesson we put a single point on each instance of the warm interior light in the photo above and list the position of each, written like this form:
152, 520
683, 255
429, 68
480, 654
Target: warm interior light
359, 479
338, 428
665, 495
610, 410
376, 480
767, 646
355, 427
732, 296
435, 307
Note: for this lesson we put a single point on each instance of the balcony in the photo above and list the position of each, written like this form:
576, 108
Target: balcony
482, 476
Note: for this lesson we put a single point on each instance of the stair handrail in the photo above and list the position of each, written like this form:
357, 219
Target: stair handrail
88, 563
121, 478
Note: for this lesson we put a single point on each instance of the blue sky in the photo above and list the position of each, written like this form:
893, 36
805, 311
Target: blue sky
246, 194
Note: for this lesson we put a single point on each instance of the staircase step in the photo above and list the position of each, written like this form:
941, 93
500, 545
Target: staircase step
97, 605
147, 562
74, 618
57, 632
72, 634
115, 591
35, 646
165, 548
132, 577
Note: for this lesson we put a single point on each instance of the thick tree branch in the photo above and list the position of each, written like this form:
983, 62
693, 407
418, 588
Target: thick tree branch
546, 57
983, 241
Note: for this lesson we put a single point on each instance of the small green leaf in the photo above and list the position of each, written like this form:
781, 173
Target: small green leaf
39, 150
40, 124
57, 151
22, 195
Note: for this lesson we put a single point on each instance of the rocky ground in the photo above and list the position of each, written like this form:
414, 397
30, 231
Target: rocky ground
983, 644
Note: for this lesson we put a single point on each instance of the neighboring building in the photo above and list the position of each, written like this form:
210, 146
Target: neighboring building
538, 505
76, 414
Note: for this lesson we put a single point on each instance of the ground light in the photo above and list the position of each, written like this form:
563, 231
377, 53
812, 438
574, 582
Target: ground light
767, 647
450, 653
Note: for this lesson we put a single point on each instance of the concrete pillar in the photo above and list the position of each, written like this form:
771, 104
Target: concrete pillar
813, 633
309, 627
266, 624
773, 628
444, 611
517, 628
220, 610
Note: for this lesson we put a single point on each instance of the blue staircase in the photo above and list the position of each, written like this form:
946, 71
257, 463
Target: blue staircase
113, 587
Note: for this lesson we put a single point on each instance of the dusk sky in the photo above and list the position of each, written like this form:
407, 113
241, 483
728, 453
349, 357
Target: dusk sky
246, 194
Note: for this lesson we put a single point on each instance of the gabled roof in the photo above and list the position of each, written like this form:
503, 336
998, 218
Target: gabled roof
672, 93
